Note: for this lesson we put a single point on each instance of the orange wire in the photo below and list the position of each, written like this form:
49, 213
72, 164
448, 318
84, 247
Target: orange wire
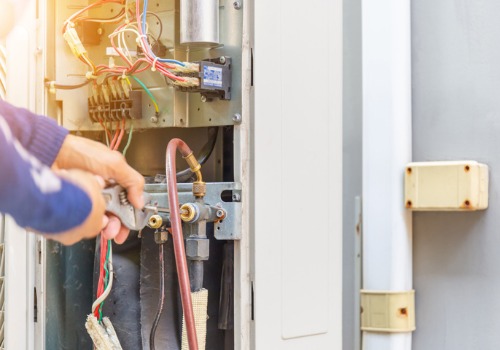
120, 137
112, 144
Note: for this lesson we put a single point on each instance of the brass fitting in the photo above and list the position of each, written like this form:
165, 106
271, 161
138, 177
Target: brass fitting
155, 221
193, 163
188, 212
199, 188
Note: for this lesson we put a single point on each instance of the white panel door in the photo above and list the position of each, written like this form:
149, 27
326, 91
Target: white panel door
19, 245
297, 191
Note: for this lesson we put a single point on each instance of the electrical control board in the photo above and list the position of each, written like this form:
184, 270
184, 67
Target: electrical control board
138, 75
142, 61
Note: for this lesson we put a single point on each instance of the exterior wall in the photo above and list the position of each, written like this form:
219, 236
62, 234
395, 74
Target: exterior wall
456, 115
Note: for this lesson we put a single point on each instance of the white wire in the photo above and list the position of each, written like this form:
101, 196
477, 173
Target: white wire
86, 59
122, 44
126, 11
105, 294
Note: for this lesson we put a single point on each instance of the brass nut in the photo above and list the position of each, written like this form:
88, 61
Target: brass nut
199, 189
197, 248
188, 212
155, 221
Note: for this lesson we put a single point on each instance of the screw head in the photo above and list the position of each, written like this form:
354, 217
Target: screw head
220, 213
237, 5
237, 118
222, 60
154, 119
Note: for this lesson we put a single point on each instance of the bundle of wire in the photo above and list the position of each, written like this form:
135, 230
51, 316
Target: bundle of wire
106, 274
131, 66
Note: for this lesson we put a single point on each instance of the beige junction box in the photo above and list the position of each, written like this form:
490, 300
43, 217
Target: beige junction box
446, 186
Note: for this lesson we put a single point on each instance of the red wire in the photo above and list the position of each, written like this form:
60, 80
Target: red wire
79, 13
112, 144
120, 137
100, 283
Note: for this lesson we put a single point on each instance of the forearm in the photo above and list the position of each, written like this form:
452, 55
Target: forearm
32, 194
40, 136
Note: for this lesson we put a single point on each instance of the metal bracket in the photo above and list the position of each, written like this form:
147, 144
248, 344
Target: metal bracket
387, 311
227, 229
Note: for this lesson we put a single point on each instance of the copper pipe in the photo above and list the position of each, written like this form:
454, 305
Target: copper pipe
178, 238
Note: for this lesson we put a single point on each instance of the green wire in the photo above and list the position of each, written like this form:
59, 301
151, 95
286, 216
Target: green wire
107, 138
148, 92
129, 139
106, 277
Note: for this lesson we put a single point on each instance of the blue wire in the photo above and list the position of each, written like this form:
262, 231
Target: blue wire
163, 60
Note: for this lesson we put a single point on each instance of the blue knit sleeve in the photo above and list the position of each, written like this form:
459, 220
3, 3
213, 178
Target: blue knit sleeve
34, 195
40, 136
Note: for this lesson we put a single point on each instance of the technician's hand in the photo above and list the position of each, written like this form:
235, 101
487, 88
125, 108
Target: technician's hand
94, 157
96, 220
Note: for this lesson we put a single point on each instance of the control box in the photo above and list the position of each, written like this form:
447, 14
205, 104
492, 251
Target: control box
446, 186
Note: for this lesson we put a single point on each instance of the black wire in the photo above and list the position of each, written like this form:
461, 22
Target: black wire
159, 22
205, 153
162, 298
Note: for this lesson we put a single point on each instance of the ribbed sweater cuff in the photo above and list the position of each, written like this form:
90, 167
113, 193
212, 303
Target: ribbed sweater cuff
47, 140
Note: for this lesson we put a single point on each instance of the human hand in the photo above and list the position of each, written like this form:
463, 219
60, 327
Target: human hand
97, 220
93, 157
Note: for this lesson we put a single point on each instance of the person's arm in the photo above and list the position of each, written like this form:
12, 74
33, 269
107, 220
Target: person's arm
53, 146
40, 136
33, 194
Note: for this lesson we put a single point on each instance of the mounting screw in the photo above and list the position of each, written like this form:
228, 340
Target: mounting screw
237, 118
222, 60
220, 213
203, 98
236, 197
237, 5
154, 119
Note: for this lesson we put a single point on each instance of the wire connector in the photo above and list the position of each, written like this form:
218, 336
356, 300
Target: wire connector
74, 42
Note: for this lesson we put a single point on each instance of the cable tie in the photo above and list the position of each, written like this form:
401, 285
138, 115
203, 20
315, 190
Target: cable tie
90, 75
52, 87
154, 64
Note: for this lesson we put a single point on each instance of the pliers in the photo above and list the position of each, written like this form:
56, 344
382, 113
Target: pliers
118, 204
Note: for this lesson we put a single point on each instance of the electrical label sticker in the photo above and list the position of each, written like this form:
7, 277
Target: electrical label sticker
212, 76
